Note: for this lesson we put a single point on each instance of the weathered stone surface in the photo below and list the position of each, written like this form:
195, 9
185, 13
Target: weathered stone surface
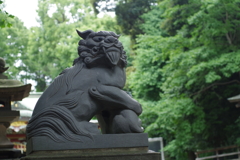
4, 142
91, 87
9, 116
140, 153
133, 146
9, 154
10, 90
104, 141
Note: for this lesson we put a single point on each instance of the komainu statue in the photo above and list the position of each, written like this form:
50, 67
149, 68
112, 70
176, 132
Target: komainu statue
91, 87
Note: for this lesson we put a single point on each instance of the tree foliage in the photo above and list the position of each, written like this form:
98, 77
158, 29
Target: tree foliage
128, 13
53, 45
184, 66
196, 70
5, 17
13, 42
41, 53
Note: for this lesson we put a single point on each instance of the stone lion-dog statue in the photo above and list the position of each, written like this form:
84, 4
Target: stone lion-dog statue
91, 87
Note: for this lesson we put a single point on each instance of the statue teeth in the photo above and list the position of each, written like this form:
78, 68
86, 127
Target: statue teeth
113, 57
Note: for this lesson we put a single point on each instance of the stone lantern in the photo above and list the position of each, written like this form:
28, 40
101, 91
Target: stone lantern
235, 99
10, 90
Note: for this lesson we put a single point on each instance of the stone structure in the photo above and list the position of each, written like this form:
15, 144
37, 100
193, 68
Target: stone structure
91, 87
10, 90
3, 69
235, 99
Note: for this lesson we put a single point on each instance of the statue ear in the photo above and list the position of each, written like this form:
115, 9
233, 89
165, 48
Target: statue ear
84, 34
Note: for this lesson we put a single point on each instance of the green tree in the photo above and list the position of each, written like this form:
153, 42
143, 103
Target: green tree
53, 45
146, 78
128, 13
5, 17
103, 6
198, 62
13, 42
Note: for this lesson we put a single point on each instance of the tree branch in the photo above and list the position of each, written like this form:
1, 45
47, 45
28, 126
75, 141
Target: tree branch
227, 34
214, 84
229, 39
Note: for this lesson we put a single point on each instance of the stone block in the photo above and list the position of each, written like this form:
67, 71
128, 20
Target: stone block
140, 153
9, 153
130, 146
101, 141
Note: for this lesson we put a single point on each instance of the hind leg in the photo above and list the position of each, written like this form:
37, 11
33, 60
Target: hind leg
119, 121
126, 121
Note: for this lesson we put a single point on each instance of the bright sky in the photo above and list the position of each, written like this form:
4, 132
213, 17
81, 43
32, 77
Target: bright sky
24, 10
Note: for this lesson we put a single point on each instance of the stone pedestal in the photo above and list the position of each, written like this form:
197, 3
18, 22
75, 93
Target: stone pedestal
100, 147
6, 117
6, 147
9, 154
141, 153
10, 90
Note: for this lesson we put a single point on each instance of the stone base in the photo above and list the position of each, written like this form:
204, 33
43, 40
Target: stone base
102, 141
100, 147
96, 154
9, 153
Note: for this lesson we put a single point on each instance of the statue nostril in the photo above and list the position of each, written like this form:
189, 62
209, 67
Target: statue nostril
94, 50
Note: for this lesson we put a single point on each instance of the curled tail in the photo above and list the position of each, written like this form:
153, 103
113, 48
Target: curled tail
57, 123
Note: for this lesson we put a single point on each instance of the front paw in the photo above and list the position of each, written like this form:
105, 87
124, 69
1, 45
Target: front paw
138, 109
94, 92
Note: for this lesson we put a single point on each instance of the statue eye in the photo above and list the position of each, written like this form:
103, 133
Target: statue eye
98, 39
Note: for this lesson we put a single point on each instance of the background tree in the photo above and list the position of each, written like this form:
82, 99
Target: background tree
197, 66
13, 42
184, 67
53, 45
5, 17
128, 13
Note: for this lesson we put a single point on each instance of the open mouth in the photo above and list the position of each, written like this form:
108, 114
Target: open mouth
113, 55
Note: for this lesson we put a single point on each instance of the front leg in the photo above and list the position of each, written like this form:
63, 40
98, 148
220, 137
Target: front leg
112, 96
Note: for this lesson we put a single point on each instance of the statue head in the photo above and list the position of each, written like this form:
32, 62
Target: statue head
2, 65
101, 48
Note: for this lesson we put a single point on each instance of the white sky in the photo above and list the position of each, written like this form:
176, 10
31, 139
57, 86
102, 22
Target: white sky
24, 10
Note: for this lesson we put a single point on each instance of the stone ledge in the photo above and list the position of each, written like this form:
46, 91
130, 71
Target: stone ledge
103, 141
89, 152
9, 153
122, 154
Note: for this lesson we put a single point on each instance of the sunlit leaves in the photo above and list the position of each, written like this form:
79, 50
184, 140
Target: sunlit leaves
13, 42
5, 17
146, 79
197, 52
54, 44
